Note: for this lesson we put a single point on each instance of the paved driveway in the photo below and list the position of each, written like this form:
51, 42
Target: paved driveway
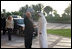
54, 41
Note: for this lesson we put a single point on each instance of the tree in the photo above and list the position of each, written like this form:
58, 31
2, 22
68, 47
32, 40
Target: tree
40, 7
66, 16
35, 7
15, 13
68, 10
48, 9
54, 12
63, 15
8, 13
23, 10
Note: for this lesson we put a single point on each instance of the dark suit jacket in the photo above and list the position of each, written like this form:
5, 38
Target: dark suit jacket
29, 29
3, 23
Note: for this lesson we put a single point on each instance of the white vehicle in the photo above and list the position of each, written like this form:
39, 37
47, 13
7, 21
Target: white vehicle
19, 25
16, 16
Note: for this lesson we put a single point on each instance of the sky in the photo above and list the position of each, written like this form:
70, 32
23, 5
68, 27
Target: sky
10, 6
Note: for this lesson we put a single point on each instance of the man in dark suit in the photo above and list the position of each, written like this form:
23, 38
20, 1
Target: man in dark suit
29, 29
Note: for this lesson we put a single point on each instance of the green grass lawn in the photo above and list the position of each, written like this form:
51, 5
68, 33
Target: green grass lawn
61, 32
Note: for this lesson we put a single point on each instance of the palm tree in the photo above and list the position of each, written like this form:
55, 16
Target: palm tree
40, 7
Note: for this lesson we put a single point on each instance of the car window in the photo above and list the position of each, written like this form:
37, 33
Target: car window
20, 21
14, 16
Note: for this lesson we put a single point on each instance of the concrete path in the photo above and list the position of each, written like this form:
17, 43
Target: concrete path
58, 26
54, 41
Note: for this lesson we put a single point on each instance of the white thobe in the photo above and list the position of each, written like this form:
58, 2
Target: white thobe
43, 36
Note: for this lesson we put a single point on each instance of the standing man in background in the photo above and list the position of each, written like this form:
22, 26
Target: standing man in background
3, 23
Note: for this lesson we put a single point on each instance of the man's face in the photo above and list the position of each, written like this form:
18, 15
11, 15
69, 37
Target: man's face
28, 14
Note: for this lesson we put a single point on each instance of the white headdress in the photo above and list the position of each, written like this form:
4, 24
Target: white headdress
43, 17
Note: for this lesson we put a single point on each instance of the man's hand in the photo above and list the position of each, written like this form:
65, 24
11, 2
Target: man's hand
23, 28
34, 25
40, 33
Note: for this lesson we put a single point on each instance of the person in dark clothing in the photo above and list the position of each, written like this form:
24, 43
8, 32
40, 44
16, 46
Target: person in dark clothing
3, 24
29, 29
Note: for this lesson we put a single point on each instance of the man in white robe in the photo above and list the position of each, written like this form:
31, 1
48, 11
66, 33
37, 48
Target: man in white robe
42, 31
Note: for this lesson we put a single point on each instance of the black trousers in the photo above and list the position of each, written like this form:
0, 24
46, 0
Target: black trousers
4, 31
28, 40
9, 33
